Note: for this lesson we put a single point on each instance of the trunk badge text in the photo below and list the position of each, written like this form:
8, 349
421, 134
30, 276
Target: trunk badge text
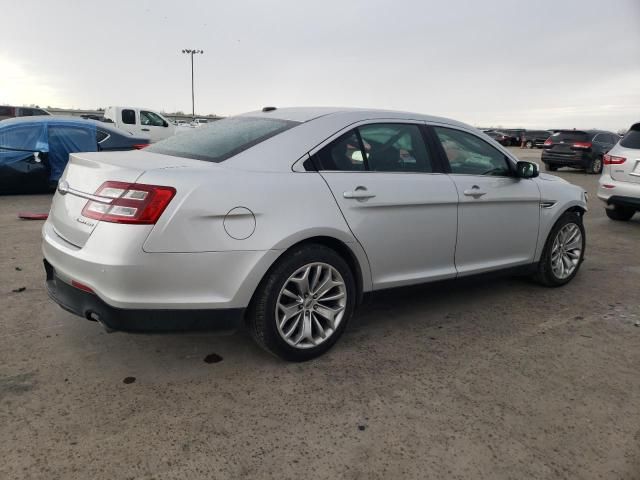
86, 222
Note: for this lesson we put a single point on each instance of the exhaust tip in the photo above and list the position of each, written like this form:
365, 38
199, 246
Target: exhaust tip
95, 317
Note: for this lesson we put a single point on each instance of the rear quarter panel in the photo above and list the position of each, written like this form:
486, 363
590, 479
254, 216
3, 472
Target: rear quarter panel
286, 207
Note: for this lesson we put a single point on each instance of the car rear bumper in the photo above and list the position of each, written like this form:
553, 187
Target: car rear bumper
578, 159
123, 276
625, 194
88, 305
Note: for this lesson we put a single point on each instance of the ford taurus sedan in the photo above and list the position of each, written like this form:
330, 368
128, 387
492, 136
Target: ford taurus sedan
282, 219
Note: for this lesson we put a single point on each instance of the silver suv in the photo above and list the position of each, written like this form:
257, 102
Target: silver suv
620, 181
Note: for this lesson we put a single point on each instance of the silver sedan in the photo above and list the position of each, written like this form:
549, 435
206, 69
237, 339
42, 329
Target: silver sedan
282, 219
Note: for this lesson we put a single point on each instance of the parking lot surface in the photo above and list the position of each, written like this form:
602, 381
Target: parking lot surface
492, 378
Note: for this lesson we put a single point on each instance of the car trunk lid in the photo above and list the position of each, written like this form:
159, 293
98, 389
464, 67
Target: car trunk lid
565, 142
84, 174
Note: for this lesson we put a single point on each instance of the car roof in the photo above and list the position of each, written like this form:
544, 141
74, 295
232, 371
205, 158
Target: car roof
306, 114
61, 120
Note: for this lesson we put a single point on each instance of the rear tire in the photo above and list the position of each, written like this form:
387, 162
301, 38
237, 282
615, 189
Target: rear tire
619, 213
528, 144
595, 166
285, 302
562, 251
550, 168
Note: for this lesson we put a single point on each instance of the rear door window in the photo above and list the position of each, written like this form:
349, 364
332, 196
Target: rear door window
343, 154
129, 117
395, 147
222, 139
379, 147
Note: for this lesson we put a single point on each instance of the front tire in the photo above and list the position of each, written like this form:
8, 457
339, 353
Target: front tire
563, 251
303, 304
622, 214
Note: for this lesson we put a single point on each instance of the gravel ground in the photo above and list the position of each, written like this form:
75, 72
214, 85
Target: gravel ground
472, 379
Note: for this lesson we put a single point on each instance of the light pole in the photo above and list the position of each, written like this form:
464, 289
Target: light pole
192, 52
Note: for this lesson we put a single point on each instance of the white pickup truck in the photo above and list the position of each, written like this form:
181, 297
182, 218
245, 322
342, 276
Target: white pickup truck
141, 122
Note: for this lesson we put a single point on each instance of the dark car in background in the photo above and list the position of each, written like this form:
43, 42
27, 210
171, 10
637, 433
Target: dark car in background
535, 138
7, 111
501, 137
515, 136
35, 150
582, 149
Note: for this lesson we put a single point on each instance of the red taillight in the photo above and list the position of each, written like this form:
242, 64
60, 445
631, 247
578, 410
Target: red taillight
613, 160
581, 145
81, 286
548, 142
134, 203
140, 146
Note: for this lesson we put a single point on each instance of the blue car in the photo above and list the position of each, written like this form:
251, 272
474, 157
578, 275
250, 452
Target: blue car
34, 150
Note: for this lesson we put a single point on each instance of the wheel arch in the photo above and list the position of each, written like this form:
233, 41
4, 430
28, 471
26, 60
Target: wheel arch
547, 224
351, 252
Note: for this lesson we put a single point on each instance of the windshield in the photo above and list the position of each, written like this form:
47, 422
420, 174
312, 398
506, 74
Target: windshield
570, 136
222, 139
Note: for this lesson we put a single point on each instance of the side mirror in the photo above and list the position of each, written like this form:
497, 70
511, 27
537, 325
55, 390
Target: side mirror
527, 170
164, 122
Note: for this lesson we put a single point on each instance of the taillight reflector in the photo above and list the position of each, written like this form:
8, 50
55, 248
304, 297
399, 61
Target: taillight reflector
613, 160
581, 145
81, 286
133, 203
140, 146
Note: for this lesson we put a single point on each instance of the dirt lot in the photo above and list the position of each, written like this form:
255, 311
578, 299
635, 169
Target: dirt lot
476, 379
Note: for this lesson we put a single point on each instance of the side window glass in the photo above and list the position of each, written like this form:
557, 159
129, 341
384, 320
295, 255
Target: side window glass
101, 136
343, 154
469, 155
395, 147
129, 117
150, 118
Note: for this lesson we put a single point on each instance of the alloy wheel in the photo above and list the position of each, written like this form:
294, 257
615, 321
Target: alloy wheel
311, 305
566, 251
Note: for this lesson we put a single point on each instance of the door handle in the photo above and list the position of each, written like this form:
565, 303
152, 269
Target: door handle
474, 192
359, 193
144, 129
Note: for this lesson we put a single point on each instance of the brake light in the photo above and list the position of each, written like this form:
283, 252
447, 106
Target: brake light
548, 142
613, 160
132, 203
140, 146
581, 145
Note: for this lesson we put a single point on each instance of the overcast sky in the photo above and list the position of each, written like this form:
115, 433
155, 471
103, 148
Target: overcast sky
551, 64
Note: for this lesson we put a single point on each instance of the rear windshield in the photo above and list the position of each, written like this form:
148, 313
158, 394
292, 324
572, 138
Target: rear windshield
222, 139
632, 138
572, 136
